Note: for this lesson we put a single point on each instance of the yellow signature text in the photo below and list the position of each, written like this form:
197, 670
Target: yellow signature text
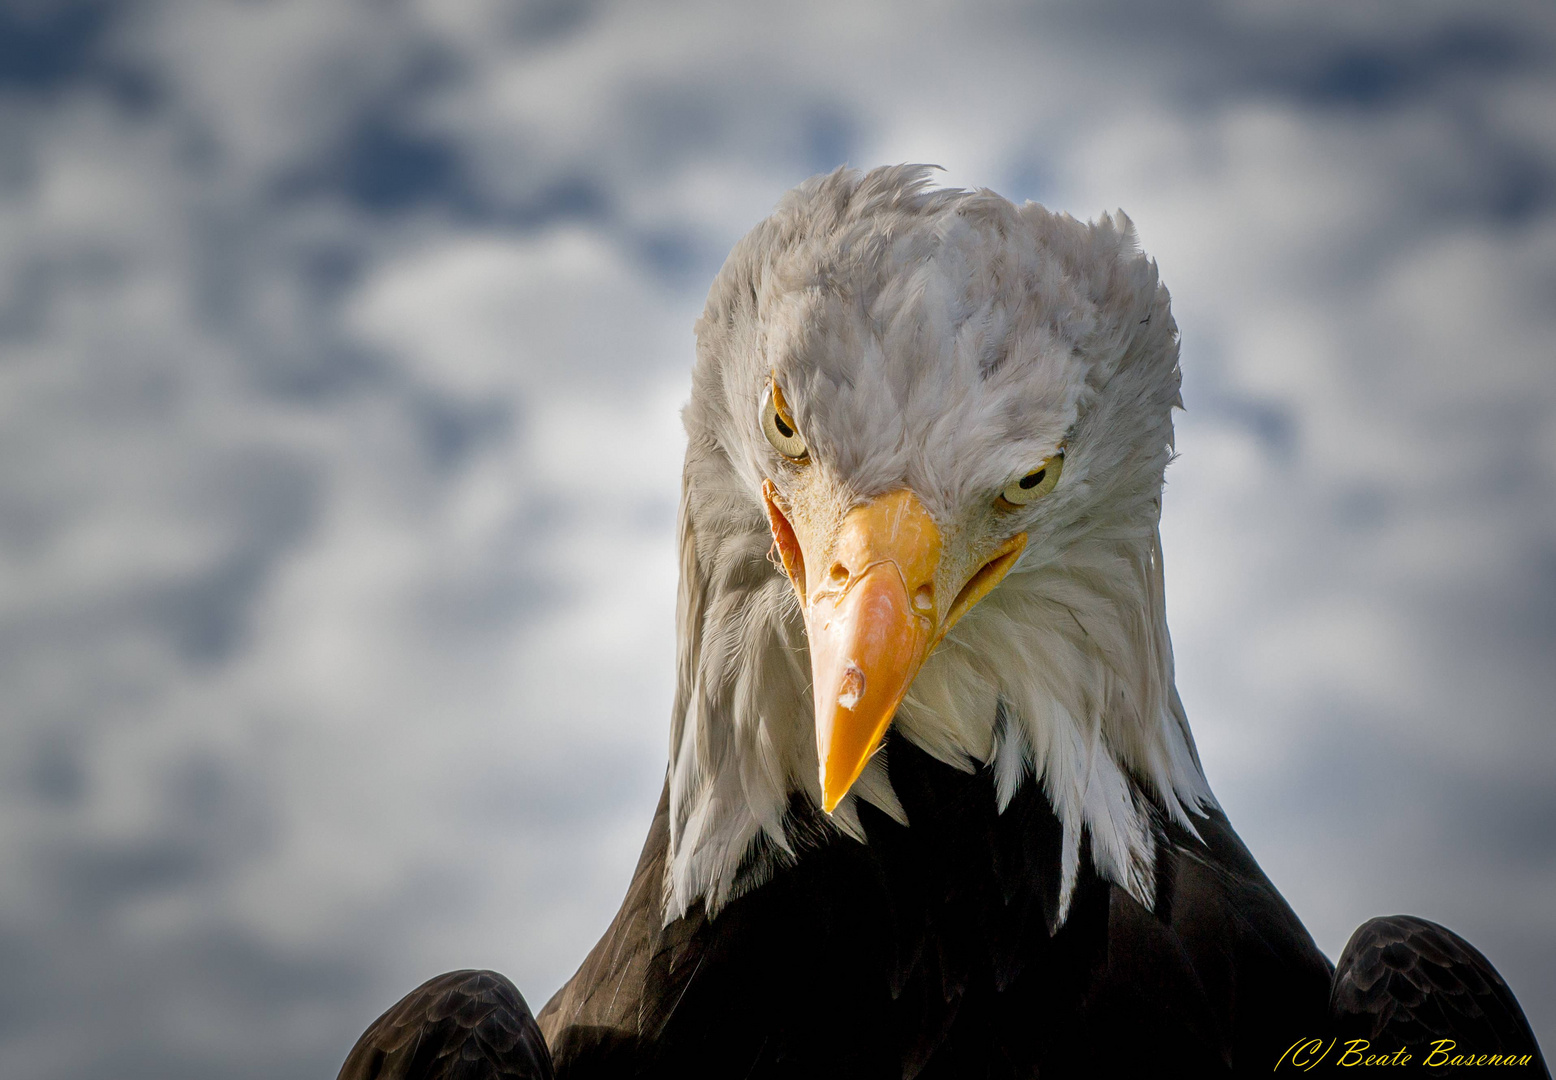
1307, 1054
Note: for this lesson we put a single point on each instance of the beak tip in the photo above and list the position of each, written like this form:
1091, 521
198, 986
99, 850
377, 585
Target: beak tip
836, 786
831, 793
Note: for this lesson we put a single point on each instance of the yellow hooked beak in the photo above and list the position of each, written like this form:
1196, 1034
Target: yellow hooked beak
872, 614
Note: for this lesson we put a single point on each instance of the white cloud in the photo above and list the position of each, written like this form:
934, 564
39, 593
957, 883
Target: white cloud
486, 318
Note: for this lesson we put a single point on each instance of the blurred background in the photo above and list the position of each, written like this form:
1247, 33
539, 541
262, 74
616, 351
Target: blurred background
341, 351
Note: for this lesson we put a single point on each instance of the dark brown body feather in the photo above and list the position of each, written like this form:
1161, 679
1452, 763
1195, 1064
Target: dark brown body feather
1406, 983
927, 952
462, 1025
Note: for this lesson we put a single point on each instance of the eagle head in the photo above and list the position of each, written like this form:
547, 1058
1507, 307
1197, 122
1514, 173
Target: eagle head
926, 443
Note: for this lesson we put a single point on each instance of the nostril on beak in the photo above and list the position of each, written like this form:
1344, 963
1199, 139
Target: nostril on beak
852, 688
838, 575
924, 598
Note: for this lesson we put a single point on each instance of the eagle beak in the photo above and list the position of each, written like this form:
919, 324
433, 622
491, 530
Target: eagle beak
872, 616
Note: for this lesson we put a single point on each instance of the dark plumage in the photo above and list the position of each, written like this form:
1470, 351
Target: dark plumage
463, 1025
1406, 982
927, 952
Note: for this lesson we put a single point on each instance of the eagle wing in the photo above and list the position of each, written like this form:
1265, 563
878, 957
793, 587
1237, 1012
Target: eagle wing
633, 978
462, 1025
1404, 981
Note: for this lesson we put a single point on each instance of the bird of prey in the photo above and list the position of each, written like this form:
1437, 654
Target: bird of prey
933, 808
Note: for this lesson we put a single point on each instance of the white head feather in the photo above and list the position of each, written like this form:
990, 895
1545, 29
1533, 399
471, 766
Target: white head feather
941, 340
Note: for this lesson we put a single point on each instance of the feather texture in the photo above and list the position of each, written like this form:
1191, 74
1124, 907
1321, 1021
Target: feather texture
941, 340
462, 1025
931, 951
1405, 982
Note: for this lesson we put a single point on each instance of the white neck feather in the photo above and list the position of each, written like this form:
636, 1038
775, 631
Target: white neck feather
1063, 674
976, 326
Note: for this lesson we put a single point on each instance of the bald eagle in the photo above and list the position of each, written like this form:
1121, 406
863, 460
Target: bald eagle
933, 807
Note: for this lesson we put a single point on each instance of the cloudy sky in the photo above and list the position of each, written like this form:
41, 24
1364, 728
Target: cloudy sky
341, 348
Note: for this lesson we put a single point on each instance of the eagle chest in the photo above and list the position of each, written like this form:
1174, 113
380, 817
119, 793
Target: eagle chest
926, 952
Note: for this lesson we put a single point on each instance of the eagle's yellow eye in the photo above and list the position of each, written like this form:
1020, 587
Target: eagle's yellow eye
779, 427
1035, 484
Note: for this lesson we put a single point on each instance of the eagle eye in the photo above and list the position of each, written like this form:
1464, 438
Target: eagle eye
778, 425
1035, 484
